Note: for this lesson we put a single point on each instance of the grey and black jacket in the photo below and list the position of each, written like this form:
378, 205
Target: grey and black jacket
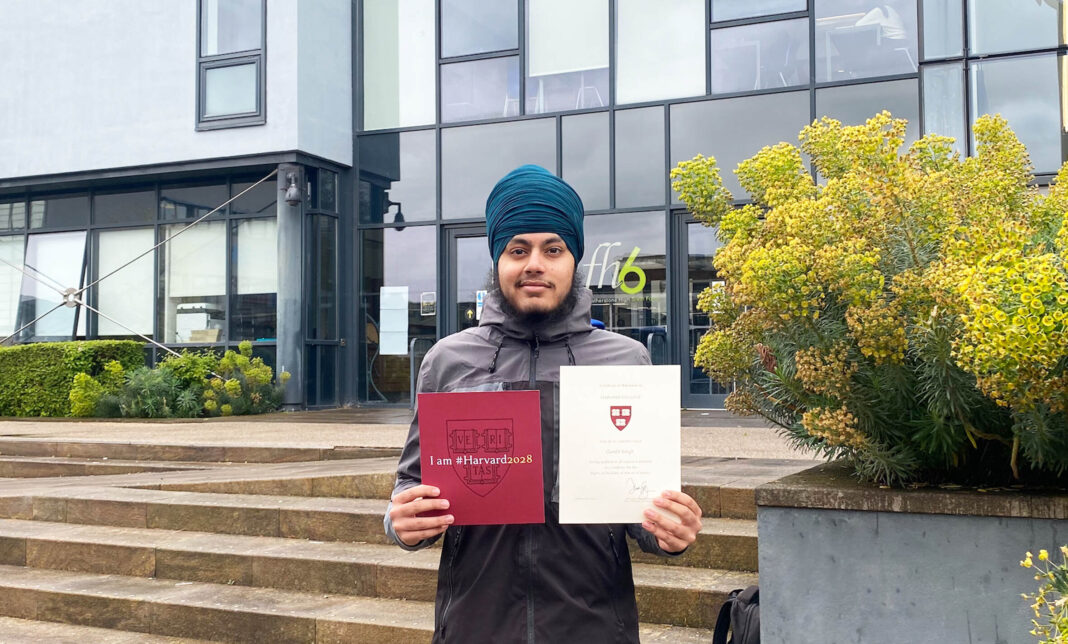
547, 583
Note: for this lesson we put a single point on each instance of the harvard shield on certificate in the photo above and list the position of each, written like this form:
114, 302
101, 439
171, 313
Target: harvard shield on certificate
620, 441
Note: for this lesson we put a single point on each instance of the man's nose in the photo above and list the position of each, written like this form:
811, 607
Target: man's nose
535, 262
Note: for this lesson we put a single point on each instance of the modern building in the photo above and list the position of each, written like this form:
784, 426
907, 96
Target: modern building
352, 144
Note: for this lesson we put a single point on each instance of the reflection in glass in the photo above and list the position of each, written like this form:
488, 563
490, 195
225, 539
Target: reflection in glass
328, 190
59, 211
261, 200
640, 157
322, 303
567, 55
995, 27
734, 9
194, 283
399, 62
228, 26
625, 267
253, 303
943, 102
327, 375
700, 274
1026, 92
230, 90
480, 89
864, 38
191, 201
476, 26
473, 159
12, 216
760, 56
734, 129
127, 296
660, 49
942, 29
406, 162
124, 207
56, 263
389, 260
585, 158
11, 248
474, 269
855, 104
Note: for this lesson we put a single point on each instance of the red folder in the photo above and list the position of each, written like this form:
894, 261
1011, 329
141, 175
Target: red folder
483, 450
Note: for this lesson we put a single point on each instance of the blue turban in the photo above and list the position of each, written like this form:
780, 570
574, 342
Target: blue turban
530, 199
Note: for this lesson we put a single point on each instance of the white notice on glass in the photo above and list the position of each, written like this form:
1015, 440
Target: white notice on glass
620, 444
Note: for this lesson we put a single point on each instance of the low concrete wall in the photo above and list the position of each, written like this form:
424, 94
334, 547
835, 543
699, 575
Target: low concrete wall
841, 562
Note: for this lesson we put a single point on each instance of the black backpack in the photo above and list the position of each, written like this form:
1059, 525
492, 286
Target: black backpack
741, 615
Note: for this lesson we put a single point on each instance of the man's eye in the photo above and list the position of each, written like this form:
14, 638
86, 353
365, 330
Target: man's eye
555, 250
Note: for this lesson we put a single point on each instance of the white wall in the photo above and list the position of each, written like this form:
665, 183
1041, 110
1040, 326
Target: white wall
94, 85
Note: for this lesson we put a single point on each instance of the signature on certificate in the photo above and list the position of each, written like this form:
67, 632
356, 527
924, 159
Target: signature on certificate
637, 489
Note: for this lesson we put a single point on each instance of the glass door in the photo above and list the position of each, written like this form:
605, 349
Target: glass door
468, 276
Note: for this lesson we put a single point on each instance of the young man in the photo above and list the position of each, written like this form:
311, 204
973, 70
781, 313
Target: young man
546, 583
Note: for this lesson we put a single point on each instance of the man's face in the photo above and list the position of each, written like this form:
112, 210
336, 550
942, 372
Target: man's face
535, 272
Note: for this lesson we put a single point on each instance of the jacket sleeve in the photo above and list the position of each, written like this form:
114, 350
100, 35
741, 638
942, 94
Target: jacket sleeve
409, 469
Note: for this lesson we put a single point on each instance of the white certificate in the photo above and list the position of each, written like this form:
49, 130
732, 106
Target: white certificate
620, 442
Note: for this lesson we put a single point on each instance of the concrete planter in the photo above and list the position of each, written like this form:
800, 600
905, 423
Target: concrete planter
843, 562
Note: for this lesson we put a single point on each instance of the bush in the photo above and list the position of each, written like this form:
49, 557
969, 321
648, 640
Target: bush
243, 385
910, 315
36, 379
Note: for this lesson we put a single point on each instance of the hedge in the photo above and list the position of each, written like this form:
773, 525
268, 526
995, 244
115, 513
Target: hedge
35, 379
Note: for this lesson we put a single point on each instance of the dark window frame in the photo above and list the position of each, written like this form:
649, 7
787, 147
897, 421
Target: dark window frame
205, 63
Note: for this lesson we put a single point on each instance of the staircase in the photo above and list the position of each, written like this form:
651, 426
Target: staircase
109, 542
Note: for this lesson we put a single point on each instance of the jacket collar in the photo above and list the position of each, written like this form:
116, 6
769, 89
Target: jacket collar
577, 319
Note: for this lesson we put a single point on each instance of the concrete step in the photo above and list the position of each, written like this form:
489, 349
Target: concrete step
57, 466
182, 452
232, 613
671, 595
728, 544
324, 519
24, 631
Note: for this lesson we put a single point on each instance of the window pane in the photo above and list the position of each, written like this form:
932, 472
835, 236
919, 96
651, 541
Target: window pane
473, 274
230, 25
59, 211
942, 29
943, 102
194, 283
734, 129
760, 56
261, 200
567, 63
700, 274
473, 159
192, 201
629, 295
124, 207
660, 49
864, 38
327, 375
476, 26
12, 216
230, 90
11, 247
127, 296
388, 260
733, 9
855, 104
399, 63
57, 262
640, 171
480, 89
322, 306
328, 190
1026, 92
1012, 26
255, 274
407, 161
585, 158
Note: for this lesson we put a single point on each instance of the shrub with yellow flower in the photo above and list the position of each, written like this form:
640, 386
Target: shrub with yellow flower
1050, 603
909, 312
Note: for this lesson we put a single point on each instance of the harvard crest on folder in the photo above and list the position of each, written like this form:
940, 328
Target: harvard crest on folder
479, 450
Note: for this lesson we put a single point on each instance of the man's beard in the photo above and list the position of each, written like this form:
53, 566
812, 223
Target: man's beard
540, 319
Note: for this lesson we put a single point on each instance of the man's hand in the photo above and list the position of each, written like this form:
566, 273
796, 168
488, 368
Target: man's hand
672, 535
412, 529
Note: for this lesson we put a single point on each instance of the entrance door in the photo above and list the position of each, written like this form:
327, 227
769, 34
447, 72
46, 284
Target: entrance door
467, 278
697, 273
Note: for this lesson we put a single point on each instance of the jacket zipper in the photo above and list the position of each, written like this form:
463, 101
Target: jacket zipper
535, 349
448, 602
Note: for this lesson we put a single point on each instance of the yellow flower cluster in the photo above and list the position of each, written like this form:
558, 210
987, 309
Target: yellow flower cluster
836, 426
1050, 603
740, 402
825, 372
723, 355
879, 331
